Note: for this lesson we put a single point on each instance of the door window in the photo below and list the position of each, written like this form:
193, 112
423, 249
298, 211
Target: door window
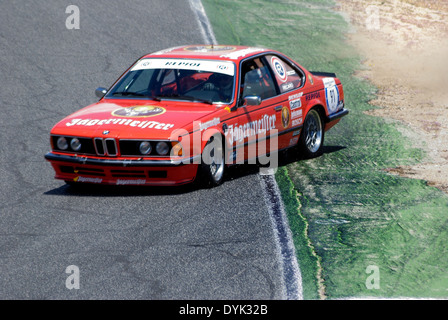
256, 80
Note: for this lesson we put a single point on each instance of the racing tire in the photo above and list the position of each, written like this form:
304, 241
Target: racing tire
312, 137
211, 170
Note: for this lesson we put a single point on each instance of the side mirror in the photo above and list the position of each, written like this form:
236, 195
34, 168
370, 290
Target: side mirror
252, 100
100, 92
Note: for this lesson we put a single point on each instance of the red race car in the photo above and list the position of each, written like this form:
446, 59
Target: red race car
186, 113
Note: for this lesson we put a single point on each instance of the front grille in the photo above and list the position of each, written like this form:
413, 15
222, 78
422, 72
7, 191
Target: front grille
111, 147
89, 146
106, 147
99, 145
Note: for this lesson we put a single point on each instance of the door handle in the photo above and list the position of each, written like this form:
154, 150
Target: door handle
278, 108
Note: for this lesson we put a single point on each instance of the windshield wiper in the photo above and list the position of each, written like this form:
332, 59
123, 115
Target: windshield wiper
126, 93
190, 98
137, 94
197, 99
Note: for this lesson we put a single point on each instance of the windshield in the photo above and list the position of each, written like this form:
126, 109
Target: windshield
178, 79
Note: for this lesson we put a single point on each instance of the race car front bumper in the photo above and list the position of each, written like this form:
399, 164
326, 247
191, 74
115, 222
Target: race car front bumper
123, 171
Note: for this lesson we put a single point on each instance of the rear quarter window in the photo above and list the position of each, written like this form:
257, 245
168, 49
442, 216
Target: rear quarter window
287, 77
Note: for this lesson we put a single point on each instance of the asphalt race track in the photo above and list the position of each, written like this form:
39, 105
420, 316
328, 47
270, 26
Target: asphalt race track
128, 243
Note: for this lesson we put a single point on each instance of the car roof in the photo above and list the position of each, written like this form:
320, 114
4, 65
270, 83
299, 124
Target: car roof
220, 52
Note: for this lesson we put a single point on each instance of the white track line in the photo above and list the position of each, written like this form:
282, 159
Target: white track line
204, 23
292, 276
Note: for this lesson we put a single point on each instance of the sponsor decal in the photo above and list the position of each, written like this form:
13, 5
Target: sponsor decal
286, 117
139, 111
277, 65
209, 48
208, 124
295, 96
225, 67
295, 104
263, 125
296, 133
296, 114
222, 67
293, 141
88, 179
241, 53
119, 121
331, 94
123, 182
312, 96
329, 82
287, 86
310, 77
297, 122
193, 64
332, 98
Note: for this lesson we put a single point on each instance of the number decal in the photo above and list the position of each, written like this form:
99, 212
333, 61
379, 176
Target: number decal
331, 94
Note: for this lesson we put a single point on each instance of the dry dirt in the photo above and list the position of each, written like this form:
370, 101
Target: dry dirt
405, 46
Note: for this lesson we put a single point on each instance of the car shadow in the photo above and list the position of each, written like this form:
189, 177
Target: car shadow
233, 173
93, 190
291, 156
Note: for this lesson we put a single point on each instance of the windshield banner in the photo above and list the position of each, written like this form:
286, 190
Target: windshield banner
223, 67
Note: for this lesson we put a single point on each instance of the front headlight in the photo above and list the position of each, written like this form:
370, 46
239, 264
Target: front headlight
62, 143
162, 148
75, 144
145, 147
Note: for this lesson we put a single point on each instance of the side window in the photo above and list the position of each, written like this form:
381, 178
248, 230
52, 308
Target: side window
286, 76
256, 80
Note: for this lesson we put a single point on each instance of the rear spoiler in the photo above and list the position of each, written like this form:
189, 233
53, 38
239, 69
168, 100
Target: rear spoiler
323, 74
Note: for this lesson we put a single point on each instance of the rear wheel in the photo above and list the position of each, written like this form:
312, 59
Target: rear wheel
212, 168
312, 137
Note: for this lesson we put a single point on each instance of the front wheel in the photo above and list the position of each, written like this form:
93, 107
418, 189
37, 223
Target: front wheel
312, 137
212, 167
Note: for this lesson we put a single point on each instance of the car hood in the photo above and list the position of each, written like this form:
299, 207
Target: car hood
127, 119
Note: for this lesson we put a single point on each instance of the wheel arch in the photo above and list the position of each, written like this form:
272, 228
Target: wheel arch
321, 110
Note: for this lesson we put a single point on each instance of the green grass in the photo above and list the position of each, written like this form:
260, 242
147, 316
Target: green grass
343, 206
